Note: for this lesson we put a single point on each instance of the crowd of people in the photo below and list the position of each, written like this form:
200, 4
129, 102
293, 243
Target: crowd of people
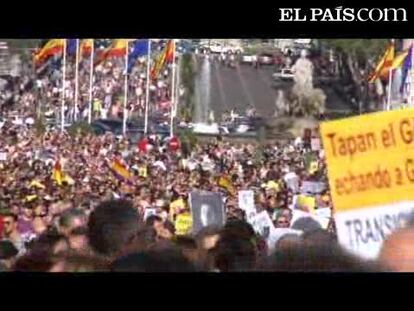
35, 91
73, 202
94, 217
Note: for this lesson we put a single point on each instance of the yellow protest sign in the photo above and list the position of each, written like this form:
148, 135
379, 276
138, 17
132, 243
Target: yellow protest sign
306, 202
370, 159
183, 224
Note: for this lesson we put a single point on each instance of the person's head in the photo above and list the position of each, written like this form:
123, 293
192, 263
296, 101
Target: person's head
78, 239
112, 226
207, 238
70, 220
306, 224
315, 258
397, 253
27, 211
50, 243
9, 224
288, 241
282, 222
160, 260
188, 246
235, 254
75, 262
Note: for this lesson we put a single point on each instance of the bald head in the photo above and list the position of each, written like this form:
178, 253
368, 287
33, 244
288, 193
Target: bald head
397, 251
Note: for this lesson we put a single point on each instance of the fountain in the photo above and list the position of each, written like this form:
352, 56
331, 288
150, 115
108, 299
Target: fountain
202, 92
305, 99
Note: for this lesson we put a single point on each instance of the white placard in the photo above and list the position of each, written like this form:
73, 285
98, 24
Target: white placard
314, 187
246, 201
262, 224
363, 231
315, 144
3, 156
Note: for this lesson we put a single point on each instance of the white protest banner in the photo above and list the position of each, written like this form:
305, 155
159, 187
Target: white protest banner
371, 177
3, 156
246, 201
262, 224
314, 187
315, 144
207, 209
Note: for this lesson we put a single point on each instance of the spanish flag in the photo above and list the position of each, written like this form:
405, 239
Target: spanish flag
86, 47
226, 183
167, 55
384, 64
117, 49
52, 47
57, 174
120, 170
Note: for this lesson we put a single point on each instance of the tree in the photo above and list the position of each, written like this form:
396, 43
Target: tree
355, 60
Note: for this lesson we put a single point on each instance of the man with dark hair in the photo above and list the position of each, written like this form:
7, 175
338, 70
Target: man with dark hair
163, 260
10, 232
112, 226
315, 258
70, 220
235, 254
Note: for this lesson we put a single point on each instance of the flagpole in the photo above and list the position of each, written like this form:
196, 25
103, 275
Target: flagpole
90, 83
388, 104
172, 93
177, 87
62, 107
125, 90
147, 88
410, 100
76, 79
388, 107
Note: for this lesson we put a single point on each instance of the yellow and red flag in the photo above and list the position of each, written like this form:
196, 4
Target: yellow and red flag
384, 64
57, 174
226, 183
52, 47
166, 56
120, 170
86, 47
117, 49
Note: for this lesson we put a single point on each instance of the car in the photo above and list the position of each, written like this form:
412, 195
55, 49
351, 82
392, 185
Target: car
285, 74
265, 59
248, 59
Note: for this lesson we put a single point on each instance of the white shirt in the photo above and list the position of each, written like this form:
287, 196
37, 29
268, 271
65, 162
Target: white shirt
161, 165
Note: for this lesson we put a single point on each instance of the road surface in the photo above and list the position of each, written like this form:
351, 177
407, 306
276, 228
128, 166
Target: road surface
237, 88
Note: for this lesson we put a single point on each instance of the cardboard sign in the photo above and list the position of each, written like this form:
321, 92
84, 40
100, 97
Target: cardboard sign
306, 202
313, 187
246, 201
207, 209
371, 176
315, 144
183, 224
262, 224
